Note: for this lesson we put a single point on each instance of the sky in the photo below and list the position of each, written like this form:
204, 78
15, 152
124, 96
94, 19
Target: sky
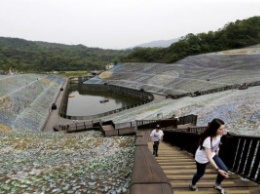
117, 24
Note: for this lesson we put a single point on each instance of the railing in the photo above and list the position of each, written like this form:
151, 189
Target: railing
78, 126
189, 119
168, 123
240, 153
149, 124
124, 125
184, 140
197, 130
101, 114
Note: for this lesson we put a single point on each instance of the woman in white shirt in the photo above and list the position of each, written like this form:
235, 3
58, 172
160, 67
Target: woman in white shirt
207, 152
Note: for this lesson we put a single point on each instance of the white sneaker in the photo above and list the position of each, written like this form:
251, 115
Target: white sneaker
193, 187
219, 189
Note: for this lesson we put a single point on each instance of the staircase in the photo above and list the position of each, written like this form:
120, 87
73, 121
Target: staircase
179, 167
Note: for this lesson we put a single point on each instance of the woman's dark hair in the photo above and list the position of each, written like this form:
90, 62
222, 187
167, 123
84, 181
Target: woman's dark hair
211, 130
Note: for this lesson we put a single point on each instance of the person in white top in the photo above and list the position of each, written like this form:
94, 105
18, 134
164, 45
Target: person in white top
156, 136
207, 152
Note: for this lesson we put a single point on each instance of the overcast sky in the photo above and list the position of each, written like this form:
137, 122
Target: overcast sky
117, 24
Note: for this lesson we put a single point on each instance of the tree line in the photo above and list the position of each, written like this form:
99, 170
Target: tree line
36, 56
234, 35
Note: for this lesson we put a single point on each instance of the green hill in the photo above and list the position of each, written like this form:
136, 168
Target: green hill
38, 56
234, 35
26, 55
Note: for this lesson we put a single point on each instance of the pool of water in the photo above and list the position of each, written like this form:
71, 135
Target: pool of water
90, 102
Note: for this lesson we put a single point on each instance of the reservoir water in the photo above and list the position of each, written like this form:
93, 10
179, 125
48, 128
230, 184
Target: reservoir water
86, 103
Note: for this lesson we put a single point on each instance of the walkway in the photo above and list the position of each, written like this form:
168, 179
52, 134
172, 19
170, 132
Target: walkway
54, 117
179, 167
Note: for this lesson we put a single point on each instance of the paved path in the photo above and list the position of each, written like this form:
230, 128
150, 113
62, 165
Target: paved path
54, 117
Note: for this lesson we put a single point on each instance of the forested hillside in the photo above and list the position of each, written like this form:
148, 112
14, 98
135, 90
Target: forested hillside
238, 34
34, 56
26, 55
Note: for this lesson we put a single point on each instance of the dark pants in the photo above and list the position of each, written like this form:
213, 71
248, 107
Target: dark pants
155, 147
202, 167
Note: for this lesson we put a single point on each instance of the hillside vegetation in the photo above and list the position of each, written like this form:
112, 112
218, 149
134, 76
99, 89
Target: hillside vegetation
234, 35
35, 56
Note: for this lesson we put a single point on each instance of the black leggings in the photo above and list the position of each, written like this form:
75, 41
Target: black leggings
155, 146
202, 167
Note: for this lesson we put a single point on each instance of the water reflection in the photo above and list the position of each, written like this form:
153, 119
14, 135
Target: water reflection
85, 103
